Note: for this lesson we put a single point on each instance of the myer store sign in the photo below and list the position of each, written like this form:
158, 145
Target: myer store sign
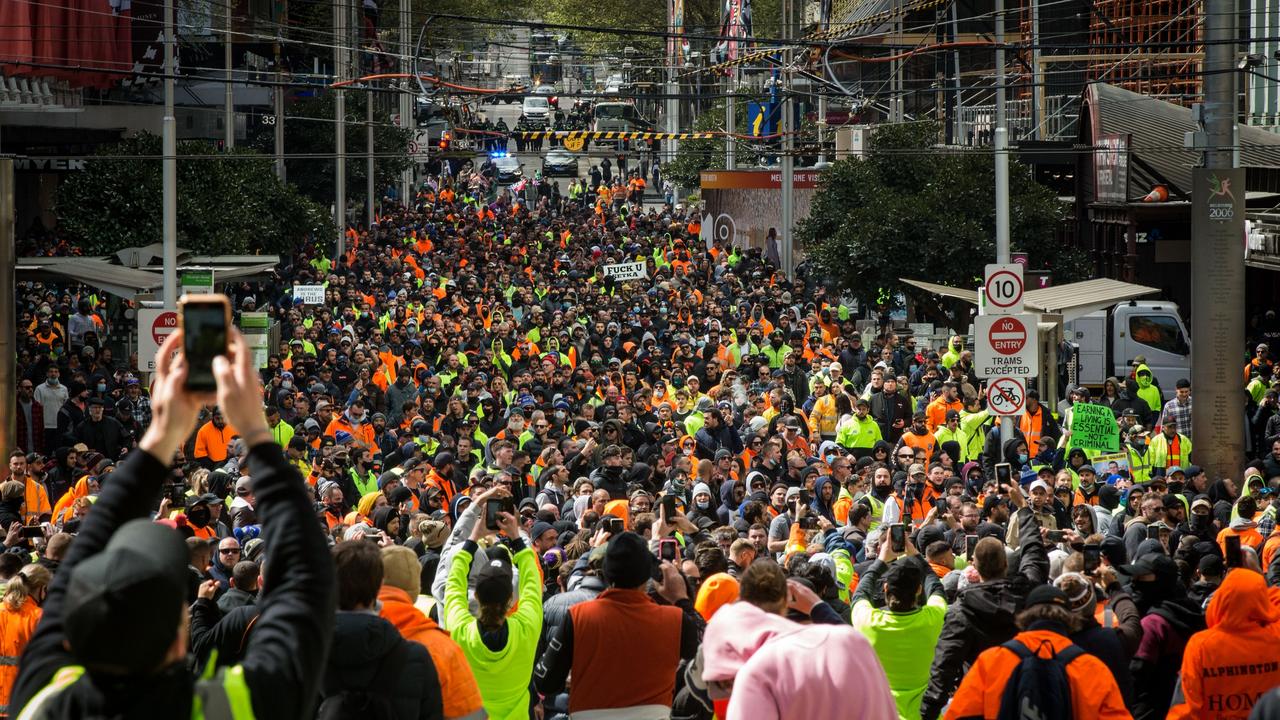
48, 164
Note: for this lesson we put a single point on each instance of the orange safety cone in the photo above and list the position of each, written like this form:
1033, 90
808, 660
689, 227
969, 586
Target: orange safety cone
1158, 193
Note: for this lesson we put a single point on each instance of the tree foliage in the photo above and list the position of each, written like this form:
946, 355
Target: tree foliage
909, 210
309, 131
228, 203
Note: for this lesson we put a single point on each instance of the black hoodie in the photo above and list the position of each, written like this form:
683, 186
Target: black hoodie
361, 642
983, 616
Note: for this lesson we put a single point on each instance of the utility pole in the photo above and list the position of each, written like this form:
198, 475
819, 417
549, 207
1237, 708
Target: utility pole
730, 119
408, 106
1037, 76
7, 320
785, 245
895, 66
169, 168
1217, 282
1001, 144
369, 184
229, 92
340, 123
278, 95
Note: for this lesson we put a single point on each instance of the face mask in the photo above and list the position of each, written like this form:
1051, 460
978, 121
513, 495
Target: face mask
53, 382
199, 516
703, 505
1139, 443
102, 387
357, 419
776, 343
1022, 458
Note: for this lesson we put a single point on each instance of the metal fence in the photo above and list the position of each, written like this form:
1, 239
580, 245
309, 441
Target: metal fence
1060, 115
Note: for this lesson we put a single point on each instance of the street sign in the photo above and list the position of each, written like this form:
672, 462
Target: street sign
1006, 346
1007, 396
153, 327
1002, 289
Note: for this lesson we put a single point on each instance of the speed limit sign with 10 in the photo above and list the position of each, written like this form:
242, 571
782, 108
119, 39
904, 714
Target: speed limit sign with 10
1002, 289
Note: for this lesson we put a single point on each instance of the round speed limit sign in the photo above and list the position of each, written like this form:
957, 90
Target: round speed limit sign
1003, 288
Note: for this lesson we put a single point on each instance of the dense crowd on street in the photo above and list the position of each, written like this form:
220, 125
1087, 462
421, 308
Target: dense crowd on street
489, 478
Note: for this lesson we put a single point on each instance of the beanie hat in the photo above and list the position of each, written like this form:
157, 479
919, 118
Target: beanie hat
1081, 599
538, 529
716, 592
400, 569
627, 561
434, 533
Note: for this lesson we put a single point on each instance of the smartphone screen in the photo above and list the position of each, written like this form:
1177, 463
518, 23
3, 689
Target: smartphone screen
668, 549
1092, 558
805, 500
204, 328
614, 525
1004, 474
669, 506
491, 510
1233, 557
1055, 536
898, 536
970, 542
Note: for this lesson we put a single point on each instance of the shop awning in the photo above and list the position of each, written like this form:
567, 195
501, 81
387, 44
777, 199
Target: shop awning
1071, 300
118, 280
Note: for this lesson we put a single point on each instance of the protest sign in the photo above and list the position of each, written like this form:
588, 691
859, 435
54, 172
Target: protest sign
1093, 427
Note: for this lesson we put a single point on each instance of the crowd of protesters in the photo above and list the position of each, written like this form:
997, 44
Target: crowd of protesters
550, 492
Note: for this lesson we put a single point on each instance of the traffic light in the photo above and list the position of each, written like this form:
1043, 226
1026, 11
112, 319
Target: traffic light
444, 140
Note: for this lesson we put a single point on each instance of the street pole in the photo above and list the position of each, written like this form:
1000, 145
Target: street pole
369, 184
407, 105
278, 98
1001, 143
8, 353
229, 93
340, 123
1037, 75
1217, 284
730, 119
169, 168
788, 162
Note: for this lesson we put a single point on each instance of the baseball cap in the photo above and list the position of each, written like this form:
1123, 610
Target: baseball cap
124, 604
1038, 483
493, 581
915, 469
903, 578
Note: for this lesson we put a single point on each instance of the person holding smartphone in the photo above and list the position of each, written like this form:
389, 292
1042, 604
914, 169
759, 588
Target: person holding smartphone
114, 631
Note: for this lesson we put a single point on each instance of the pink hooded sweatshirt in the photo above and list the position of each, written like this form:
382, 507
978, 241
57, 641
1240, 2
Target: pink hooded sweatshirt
782, 669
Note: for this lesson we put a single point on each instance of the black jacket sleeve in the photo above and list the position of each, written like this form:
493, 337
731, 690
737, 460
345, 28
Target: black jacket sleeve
824, 614
1128, 619
552, 670
204, 619
691, 627
133, 491
948, 661
1034, 563
291, 639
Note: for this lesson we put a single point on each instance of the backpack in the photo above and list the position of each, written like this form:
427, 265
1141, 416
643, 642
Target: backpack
1038, 688
374, 702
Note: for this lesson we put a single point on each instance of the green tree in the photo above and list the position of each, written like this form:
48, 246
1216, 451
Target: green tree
228, 203
309, 135
910, 210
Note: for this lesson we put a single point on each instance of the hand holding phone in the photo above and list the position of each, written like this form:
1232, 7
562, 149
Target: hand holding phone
204, 319
898, 537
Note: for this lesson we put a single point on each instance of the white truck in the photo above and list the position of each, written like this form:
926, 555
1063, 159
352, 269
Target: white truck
1107, 341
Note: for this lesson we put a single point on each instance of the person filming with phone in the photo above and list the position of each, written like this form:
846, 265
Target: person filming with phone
113, 638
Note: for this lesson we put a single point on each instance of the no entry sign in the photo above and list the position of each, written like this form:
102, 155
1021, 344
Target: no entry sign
153, 327
1006, 346
1007, 396
1008, 336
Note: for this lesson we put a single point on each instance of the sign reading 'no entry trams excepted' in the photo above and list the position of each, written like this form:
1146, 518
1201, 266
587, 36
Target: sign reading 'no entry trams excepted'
1006, 346
1002, 287
1007, 396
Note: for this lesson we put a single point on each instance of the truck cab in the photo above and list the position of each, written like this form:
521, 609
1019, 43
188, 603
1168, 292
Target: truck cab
1107, 341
